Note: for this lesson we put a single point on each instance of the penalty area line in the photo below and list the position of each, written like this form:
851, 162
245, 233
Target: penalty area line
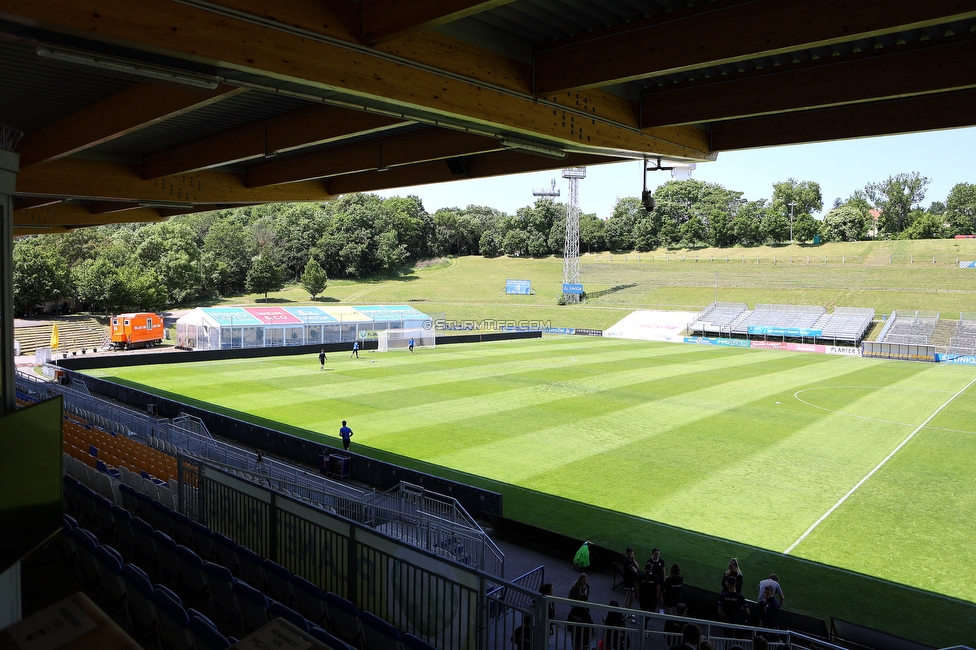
876, 468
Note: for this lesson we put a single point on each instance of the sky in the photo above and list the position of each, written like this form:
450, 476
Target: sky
945, 157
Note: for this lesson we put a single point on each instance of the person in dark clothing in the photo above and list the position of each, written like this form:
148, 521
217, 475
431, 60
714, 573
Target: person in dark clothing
656, 560
345, 433
769, 608
735, 572
579, 614
732, 606
671, 592
615, 639
649, 589
690, 638
522, 637
674, 627
631, 571
322, 360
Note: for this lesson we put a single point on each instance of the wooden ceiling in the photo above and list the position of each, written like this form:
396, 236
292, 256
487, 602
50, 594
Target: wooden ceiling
136, 111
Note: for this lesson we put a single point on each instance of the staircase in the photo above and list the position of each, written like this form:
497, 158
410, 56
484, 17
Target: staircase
943, 332
75, 333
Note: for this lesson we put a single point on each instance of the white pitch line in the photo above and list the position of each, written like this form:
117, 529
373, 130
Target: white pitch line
876, 468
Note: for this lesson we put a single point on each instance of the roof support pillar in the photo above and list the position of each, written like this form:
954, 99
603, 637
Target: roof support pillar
9, 166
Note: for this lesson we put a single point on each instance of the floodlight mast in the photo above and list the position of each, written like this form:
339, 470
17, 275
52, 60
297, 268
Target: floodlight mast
549, 193
571, 264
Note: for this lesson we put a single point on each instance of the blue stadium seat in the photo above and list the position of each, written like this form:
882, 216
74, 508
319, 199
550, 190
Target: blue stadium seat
129, 501
309, 601
205, 635
148, 558
252, 567
254, 606
335, 643
172, 621
378, 634
220, 582
278, 582
169, 561
110, 571
202, 539
124, 533
194, 579
226, 549
279, 610
412, 642
161, 518
85, 543
182, 528
139, 588
343, 618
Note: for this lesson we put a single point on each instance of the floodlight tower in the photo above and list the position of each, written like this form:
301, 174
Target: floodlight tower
549, 193
571, 265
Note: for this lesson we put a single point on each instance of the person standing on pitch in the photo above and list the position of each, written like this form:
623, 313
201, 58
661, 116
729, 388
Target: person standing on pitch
345, 433
322, 360
410, 345
355, 350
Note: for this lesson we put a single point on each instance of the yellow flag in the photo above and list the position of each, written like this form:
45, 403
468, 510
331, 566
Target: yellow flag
54, 337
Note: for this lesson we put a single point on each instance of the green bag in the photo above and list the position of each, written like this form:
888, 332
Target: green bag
582, 558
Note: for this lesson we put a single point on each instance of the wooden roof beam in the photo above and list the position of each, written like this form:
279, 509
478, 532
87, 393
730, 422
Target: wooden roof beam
442, 171
868, 76
385, 20
726, 31
35, 202
77, 216
138, 106
434, 144
111, 181
923, 113
160, 25
266, 139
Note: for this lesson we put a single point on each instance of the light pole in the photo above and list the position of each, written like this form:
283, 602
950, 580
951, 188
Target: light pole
792, 205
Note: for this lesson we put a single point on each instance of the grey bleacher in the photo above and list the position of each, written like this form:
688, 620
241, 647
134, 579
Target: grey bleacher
910, 328
845, 324
792, 316
718, 317
963, 341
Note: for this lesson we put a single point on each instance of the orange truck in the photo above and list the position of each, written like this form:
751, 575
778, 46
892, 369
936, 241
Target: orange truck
135, 330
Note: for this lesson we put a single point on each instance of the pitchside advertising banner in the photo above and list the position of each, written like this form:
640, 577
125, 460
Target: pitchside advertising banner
967, 265
795, 332
704, 340
518, 287
791, 347
966, 359
576, 289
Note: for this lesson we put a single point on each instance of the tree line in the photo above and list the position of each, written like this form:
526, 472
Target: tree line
258, 249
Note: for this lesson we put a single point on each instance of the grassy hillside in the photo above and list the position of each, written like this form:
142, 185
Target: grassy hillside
883, 275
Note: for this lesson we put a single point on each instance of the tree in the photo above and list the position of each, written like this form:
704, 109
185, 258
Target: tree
591, 232
38, 277
747, 224
960, 212
896, 197
805, 228
265, 275
314, 278
845, 223
490, 244
516, 242
925, 225
619, 230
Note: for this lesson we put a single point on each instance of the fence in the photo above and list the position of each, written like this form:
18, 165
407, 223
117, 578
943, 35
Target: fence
738, 257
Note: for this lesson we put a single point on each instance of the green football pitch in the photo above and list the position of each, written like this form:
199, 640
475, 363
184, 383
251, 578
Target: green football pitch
853, 479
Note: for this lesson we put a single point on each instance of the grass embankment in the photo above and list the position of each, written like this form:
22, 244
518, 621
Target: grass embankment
707, 453
883, 275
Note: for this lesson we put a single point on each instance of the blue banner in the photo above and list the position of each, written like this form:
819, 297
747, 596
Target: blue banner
573, 289
967, 265
967, 359
559, 330
795, 332
518, 287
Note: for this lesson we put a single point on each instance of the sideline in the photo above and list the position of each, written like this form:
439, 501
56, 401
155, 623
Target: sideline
876, 468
